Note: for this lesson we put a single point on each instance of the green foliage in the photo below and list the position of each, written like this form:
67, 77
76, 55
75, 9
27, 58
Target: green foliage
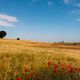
2, 34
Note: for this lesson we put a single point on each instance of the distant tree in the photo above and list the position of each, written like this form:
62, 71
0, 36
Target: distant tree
18, 38
62, 41
74, 43
2, 34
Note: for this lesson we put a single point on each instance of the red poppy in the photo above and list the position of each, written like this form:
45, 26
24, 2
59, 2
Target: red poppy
79, 69
63, 68
49, 63
68, 66
28, 76
31, 68
56, 66
25, 69
59, 74
55, 69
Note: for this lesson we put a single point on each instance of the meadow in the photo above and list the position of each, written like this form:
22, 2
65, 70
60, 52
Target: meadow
35, 60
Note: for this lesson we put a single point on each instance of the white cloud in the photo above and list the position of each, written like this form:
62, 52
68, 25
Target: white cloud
73, 11
34, 0
78, 19
77, 5
50, 3
4, 23
8, 18
66, 1
7, 21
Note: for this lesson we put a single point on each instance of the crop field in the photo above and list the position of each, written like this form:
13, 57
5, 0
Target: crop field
28, 60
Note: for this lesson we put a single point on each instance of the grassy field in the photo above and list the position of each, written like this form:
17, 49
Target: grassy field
16, 54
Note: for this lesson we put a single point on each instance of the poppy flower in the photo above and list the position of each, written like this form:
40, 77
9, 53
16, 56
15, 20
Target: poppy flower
55, 69
49, 63
28, 76
63, 68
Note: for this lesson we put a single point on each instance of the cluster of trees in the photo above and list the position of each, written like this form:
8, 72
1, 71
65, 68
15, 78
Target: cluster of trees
3, 34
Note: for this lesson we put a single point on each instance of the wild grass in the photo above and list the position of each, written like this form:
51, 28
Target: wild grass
17, 53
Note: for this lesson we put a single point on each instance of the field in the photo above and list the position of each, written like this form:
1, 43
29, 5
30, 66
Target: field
20, 54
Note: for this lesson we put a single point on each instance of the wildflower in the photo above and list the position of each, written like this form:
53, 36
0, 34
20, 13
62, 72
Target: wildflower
59, 74
49, 63
68, 66
55, 69
18, 78
31, 68
28, 76
25, 69
63, 68
71, 69
78, 69
56, 66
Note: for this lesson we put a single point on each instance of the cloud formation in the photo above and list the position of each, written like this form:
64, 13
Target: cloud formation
78, 19
77, 5
34, 0
50, 3
8, 18
66, 1
7, 21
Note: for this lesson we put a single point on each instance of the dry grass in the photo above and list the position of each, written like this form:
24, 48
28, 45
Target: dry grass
14, 54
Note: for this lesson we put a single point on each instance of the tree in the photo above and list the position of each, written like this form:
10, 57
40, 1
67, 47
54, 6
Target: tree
62, 41
18, 38
2, 34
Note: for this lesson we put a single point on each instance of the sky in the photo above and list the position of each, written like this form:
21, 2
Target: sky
41, 20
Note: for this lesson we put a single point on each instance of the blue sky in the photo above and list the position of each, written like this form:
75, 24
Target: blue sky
41, 20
